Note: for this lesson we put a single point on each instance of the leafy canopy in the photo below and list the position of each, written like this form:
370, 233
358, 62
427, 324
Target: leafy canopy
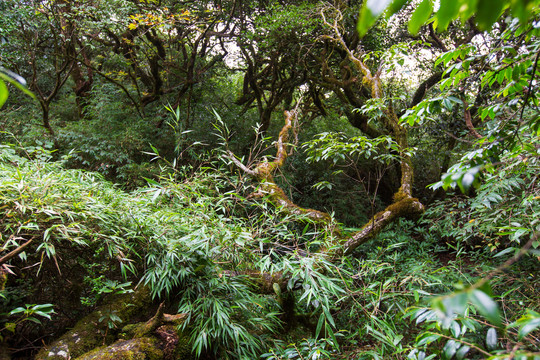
442, 13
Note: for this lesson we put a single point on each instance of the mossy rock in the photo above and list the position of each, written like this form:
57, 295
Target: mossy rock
146, 348
89, 332
176, 343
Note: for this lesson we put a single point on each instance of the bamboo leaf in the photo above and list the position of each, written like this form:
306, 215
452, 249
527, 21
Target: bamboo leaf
487, 306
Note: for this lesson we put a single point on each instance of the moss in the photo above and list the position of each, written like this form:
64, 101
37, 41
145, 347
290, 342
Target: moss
90, 332
176, 343
183, 349
3, 279
136, 349
400, 195
408, 207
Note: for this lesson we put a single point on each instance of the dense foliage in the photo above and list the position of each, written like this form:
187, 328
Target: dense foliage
289, 188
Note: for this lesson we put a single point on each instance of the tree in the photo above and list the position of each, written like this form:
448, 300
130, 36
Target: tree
231, 253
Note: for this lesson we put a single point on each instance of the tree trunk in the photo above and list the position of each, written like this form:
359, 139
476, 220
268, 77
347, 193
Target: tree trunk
47, 124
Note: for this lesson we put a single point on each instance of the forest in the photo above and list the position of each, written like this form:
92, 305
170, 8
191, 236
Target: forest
269, 179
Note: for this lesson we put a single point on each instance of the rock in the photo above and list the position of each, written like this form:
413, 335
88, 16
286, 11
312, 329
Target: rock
92, 331
145, 348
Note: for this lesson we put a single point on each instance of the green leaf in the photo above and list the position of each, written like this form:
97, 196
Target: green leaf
521, 9
422, 315
17, 311
420, 16
469, 178
488, 11
462, 352
10, 327
365, 20
455, 328
450, 349
487, 306
455, 303
528, 326
15, 80
505, 251
3, 93
395, 6
448, 10
319, 325
33, 319
427, 338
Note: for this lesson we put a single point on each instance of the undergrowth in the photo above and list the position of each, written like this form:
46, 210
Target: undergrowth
409, 293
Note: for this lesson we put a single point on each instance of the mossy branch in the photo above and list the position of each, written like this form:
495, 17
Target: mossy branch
263, 173
403, 205
146, 328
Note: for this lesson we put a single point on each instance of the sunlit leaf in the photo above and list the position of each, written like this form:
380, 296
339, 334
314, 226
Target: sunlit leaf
448, 10
420, 16
3, 93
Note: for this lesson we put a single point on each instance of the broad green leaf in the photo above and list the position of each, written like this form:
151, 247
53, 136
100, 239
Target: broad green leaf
448, 10
395, 6
522, 9
372, 9
455, 303
422, 315
450, 349
33, 319
467, 9
468, 179
487, 306
366, 19
488, 11
420, 16
462, 352
3, 93
486, 289
427, 338
455, 328
17, 311
505, 251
